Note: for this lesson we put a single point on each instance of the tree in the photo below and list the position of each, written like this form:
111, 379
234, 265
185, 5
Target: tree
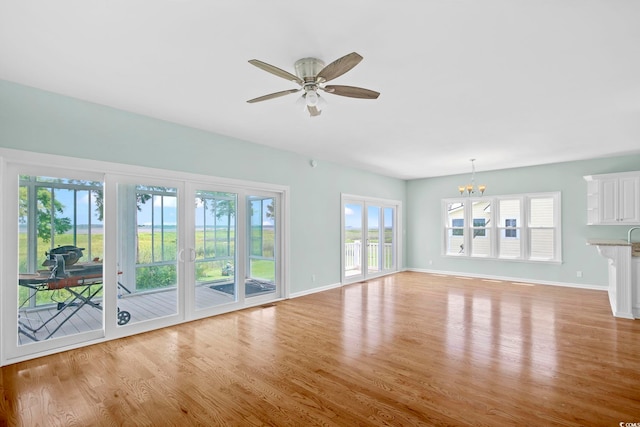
48, 222
141, 198
270, 211
225, 208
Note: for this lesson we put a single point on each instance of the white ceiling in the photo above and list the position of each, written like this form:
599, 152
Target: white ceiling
508, 82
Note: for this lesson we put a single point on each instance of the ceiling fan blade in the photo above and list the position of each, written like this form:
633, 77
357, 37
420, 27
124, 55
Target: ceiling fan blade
351, 91
276, 71
338, 67
273, 95
313, 110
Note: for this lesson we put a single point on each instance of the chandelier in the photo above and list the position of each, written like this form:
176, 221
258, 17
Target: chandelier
472, 188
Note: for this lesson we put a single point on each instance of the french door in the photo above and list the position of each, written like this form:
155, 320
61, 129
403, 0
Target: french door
370, 239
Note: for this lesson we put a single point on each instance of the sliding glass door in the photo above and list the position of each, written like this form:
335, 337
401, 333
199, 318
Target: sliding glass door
53, 248
215, 279
148, 237
94, 256
369, 237
60, 257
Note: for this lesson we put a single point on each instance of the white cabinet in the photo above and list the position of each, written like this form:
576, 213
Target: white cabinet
613, 198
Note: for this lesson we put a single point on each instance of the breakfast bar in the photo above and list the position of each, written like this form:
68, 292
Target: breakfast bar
624, 275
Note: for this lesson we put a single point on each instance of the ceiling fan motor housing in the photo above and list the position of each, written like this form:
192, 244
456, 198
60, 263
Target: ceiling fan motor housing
308, 68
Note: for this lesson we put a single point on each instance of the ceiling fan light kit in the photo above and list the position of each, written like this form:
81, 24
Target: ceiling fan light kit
311, 75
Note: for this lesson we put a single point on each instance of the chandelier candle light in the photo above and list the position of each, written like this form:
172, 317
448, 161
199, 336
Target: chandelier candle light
472, 188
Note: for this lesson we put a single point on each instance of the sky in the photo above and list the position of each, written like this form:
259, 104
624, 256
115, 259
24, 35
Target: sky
161, 205
352, 211
353, 216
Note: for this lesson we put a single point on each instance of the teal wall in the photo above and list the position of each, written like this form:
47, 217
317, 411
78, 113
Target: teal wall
425, 232
35, 120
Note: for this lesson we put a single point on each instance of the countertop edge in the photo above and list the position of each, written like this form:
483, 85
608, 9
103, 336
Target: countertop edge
608, 242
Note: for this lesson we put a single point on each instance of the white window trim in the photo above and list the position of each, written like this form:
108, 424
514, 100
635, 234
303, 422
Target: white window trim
495, 229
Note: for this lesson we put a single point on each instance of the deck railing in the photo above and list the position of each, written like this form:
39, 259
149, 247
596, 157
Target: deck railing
353, 255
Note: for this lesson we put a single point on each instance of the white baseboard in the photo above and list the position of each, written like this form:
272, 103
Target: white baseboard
511, 279
314, 290
457, 273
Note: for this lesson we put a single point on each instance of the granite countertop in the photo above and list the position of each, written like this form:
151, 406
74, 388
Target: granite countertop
608, 242
635, 246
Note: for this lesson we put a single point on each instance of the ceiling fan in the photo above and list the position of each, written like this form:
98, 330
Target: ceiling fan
311, 75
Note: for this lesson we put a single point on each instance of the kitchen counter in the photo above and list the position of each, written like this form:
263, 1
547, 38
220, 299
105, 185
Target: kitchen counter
608, 242
635, 246
624, 283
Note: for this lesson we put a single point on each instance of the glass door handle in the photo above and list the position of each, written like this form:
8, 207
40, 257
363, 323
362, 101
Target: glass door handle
192, 255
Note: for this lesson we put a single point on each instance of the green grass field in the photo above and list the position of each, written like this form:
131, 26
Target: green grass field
161, 248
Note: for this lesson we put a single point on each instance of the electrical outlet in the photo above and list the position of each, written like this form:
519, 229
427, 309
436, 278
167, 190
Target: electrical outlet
578, 273
313, 278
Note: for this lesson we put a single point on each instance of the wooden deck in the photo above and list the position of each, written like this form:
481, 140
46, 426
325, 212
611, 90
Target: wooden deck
141, 306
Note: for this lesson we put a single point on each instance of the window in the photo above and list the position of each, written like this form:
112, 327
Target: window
510, 225
527, 227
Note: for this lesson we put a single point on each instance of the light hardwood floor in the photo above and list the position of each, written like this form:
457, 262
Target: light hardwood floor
408, 349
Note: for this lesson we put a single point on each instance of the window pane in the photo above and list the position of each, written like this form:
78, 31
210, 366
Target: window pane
262, 258
59, 251
373, 239
541, 214
482, 212
542, 242
458, 225
455, 217
455, 229
147, 252
262, 227
509, 213
215, 236
455, 242
481, 242
509, 222
353, 239
388, 252
480, 234
509, 247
